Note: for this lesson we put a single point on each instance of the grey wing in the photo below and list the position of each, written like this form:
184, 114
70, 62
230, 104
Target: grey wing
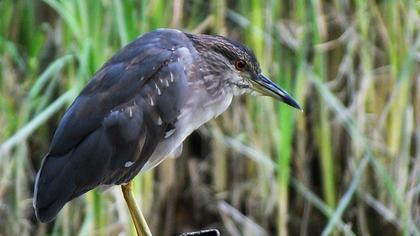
157, 109
115, 124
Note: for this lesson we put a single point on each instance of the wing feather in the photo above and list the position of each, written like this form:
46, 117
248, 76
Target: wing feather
111, 129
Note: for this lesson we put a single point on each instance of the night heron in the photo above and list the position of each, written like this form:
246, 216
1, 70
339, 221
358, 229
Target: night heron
138, 109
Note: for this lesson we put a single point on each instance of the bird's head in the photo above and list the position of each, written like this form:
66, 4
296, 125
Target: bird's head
239, 66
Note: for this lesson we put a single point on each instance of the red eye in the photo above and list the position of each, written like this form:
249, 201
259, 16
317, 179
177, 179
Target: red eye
240, 65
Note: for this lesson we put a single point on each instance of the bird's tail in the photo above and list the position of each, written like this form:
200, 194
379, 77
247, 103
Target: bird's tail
54, 184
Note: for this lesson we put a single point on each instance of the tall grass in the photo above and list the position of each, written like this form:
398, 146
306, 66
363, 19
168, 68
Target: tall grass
349, 164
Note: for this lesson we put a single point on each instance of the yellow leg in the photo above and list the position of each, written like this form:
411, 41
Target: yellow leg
135, 212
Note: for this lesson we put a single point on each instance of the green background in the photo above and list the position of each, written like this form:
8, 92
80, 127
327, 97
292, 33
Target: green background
348, 165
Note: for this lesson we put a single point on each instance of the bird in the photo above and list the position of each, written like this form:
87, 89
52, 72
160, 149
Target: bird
137, 110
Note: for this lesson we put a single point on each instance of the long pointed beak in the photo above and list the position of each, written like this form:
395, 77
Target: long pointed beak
267, 87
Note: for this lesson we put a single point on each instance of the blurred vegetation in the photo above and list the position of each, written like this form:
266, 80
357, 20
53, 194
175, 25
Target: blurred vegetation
348, 165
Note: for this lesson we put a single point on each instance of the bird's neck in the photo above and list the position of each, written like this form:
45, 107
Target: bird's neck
218, 76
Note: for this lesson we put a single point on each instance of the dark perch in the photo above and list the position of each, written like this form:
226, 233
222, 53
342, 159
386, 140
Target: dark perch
206, 232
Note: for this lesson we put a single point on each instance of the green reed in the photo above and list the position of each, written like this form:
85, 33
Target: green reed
348, 164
